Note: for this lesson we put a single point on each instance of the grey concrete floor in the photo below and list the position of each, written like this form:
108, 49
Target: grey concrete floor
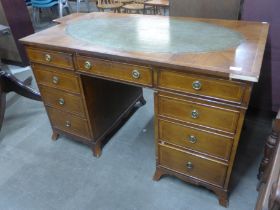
39, 174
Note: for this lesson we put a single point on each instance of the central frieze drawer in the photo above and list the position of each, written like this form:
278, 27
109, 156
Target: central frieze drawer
69, 123
198, 113
192, 165
62, 100
53, 58
199, 85
54, 77
115, 70
195, 139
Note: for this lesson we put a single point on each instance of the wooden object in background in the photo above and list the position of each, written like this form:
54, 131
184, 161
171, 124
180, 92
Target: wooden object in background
269, 186
270, 146
103, 5
10, 83
274, 198
200, 97
223, 9
157, 5
14, 14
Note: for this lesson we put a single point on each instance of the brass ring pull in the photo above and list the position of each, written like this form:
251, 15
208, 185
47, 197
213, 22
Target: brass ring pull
48, 57
192, 139
61, 101
195, 114
196, 85
189, 165
87, 65
136, 74
55, 80
68, 124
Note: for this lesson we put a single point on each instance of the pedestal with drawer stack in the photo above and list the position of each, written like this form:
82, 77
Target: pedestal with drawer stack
85, 109
198, 123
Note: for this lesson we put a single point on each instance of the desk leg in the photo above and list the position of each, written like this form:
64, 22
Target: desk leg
158, 174
55, 136
223, 197
221, 193
96, 149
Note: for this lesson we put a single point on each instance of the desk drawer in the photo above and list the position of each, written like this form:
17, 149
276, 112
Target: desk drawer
198, 113
198, 140
215, 88
114, 70
59, 59
69, 123
54, 77
62, 100
191, 165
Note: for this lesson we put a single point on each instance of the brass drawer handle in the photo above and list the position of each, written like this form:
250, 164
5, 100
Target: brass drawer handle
87, 65
136, 74
192, 139
61, 101
68, 124
195, 114
196, 85
189, 165
48, 57
55, 80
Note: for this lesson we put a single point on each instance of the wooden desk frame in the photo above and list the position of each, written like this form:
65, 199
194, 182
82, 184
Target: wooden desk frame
203, 110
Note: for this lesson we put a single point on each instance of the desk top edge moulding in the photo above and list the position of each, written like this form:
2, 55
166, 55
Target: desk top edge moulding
90, 69
240, 61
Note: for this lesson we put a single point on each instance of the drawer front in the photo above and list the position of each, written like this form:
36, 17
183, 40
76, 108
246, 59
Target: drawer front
119, 71
200, 114
53, 77
194, 139
62, 100
223, 89
53, 58
69, 123
191, 165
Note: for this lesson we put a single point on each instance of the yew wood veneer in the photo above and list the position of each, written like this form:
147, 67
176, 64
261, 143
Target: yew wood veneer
200, 98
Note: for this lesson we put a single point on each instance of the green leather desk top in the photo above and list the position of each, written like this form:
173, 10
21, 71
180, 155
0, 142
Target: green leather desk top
153, 35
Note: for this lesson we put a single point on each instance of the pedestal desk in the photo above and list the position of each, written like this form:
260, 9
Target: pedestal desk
91, 68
